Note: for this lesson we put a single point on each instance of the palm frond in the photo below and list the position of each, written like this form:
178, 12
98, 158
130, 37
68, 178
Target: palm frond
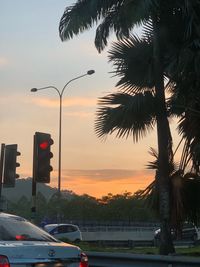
176, 103
147, 30
108, 25
189, 128
114, 15
83, 15
173, 166
125, 114
190, 11
153, 165
121, 19
132, 59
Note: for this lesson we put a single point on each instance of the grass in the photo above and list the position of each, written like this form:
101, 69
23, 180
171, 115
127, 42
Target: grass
192, 251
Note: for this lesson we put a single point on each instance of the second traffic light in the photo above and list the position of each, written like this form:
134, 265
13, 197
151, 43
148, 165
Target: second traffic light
10, 165
41, 157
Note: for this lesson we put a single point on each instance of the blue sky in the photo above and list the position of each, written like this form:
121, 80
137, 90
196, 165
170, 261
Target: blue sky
32, 55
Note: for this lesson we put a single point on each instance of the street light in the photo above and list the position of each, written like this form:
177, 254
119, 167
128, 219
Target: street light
89, 72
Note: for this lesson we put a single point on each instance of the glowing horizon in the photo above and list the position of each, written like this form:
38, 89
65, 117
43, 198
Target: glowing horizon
33, 56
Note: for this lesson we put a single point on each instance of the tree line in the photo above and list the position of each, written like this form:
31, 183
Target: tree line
124, 209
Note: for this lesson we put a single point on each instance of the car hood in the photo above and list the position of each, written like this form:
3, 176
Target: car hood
39, 251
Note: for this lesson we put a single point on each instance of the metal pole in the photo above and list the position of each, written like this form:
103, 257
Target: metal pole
34, 187
59, 148
1, 174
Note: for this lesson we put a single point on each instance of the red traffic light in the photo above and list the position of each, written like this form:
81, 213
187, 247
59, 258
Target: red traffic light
44, 145
41, 157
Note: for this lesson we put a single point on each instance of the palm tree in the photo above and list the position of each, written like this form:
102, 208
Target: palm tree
184, 103
121, 16
185, 174
136, 107
133, 112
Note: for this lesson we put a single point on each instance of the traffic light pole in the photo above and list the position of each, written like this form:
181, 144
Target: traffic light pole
33, 208
1, 172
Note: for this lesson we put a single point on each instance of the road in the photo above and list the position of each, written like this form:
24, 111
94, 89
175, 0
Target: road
99, 259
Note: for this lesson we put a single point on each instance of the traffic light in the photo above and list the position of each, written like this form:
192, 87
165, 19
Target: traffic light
10, 165
41, 157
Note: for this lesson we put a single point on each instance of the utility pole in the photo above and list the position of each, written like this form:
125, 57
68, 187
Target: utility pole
1, 174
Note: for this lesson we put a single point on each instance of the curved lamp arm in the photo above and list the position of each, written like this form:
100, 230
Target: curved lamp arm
89, 72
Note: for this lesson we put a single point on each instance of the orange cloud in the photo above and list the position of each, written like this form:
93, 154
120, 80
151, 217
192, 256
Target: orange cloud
68, 102
101, 182
80, 114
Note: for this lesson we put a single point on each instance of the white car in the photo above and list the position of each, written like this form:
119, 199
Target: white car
63, 230
22, 244
189, 233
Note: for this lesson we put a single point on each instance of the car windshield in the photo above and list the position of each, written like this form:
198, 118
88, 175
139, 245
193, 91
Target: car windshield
18, 229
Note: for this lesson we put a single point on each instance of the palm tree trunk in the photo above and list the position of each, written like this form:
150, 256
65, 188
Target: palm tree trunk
164, 145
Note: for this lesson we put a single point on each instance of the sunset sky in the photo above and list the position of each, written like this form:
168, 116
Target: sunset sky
32, 55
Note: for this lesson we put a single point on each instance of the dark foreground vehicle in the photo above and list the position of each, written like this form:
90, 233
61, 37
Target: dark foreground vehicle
189, 233
22, 244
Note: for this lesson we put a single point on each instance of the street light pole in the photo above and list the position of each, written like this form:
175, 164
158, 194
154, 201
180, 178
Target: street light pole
60, 93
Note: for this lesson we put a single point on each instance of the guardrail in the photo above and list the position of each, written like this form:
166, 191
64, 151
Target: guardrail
101, 259
118, 234
118, 228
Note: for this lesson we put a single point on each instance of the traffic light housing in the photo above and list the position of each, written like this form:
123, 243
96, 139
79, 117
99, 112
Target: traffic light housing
41, 157
10, 165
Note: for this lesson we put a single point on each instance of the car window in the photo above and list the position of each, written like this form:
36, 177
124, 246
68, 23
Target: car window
65, 229
72, 228
18, 229
54, 231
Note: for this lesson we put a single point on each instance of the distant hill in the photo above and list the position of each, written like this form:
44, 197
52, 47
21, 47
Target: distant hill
23, 187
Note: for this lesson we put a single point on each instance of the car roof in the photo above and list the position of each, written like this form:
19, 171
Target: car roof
7, 215
59, 224
50, 227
